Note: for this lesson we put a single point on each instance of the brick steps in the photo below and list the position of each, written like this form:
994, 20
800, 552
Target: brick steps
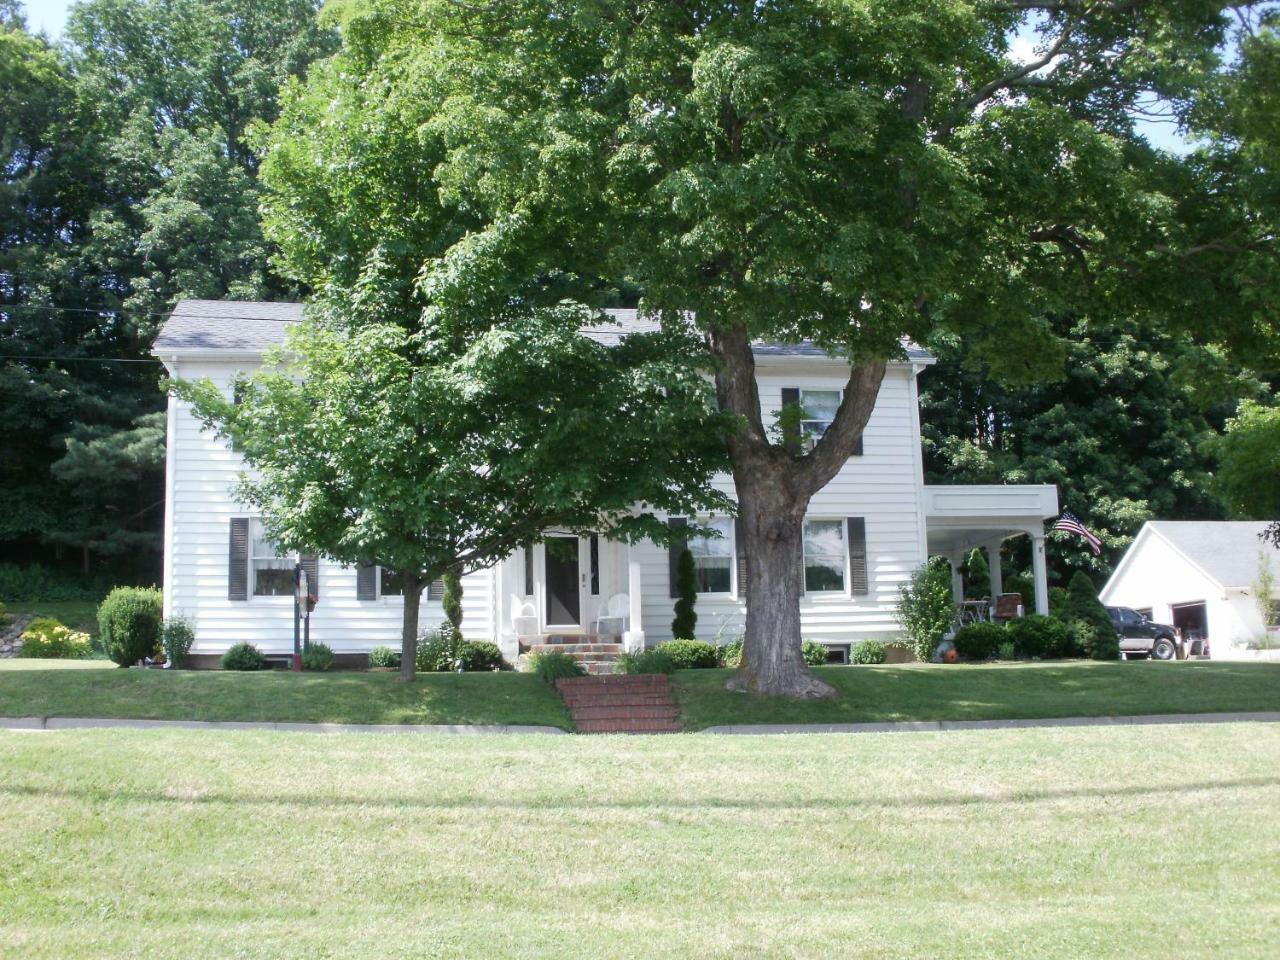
596, 652
620, 704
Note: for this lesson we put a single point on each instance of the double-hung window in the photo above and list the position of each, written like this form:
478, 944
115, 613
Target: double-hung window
713, 557
824, 556
271, 569
818, 408
389, 583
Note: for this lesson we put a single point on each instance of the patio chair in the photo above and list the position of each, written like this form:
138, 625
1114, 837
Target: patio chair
1008, 607
524, 616
614, 614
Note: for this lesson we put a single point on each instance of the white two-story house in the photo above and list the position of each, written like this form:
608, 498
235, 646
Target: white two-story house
868, 529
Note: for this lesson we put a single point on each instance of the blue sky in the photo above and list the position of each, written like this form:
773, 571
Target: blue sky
51, 15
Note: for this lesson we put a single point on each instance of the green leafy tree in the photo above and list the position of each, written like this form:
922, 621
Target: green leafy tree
379, 445
452, 600
977, 575
684, 624
1248, 476
846, 174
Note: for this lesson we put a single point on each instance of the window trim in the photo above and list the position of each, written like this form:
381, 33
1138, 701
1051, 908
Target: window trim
255, 525
805, 436
843, 592
732, 540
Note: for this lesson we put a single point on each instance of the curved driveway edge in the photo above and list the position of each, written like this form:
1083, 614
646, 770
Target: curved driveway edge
935, 726
84, 723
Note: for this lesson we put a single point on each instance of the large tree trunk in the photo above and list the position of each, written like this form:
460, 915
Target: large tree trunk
774, 487
413, 585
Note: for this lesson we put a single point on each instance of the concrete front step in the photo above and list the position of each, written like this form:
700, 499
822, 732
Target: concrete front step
574, 649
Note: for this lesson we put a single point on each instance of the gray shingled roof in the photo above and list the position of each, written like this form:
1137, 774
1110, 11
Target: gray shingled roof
1226, 550
248, 326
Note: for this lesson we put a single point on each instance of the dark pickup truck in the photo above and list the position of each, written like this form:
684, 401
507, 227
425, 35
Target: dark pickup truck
1140, 635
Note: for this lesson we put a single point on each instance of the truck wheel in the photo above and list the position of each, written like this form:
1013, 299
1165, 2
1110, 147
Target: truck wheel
1163, 649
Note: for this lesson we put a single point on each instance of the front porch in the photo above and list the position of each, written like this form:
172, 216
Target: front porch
962, 517
570, 593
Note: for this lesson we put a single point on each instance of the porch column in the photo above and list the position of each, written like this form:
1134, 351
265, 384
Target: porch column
633, 639
957, 579
997, 575
1039, 572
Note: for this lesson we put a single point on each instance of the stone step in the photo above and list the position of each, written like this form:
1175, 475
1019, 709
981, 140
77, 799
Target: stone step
574, 649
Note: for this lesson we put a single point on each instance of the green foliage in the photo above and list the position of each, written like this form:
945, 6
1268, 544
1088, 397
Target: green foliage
4, 615
1097, 645
926, 609
977, 575
444, 650
1024, 586
553, 666
652, 660
979, 641
129, 624
243, 656
813, 652
691, 654
1248, 475
1082, 605
452, 600
384, 658
731, 653
317, 656
867, 652
1037, 637
35, 583
685, 621
176, 637
46, 638
1006, 651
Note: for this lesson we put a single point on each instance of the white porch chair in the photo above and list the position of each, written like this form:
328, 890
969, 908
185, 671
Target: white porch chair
524, 616
615, 614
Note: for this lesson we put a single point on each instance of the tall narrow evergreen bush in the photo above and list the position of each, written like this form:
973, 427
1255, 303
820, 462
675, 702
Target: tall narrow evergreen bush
685, 621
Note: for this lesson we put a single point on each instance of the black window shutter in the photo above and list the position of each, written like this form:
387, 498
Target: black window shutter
311, 564
435, 590
791, 432
238, 560
856, 528
595, 565
528, 570
740, 555
677, 525
367, 582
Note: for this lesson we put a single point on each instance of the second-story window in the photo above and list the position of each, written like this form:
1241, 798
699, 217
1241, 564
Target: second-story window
818, 409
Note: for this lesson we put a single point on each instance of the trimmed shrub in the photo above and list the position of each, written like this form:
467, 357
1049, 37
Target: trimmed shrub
555, 666
48, 639
317, 656
444, 650
1006, 651
686, 618
731, 653
868, 651
926, 609
176, 638
1099, 638
129, 622
1037, 636
243, 656
451, 601
691, 654
384, 658
653, 660
979, 641
976, 574
814, 653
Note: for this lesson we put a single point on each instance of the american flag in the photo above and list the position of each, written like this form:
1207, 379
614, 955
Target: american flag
1070, 523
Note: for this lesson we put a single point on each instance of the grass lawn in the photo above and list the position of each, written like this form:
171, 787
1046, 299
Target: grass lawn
1064, 843
78, 614
991, 692
53, 688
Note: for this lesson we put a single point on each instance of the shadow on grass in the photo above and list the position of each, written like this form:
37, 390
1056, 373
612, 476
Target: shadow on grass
96, 795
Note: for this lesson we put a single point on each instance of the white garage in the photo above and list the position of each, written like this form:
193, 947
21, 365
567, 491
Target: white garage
1203, 577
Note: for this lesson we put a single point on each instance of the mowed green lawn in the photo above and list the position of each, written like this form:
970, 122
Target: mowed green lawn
914, 692
1000, 691
1046, 843
69, 688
